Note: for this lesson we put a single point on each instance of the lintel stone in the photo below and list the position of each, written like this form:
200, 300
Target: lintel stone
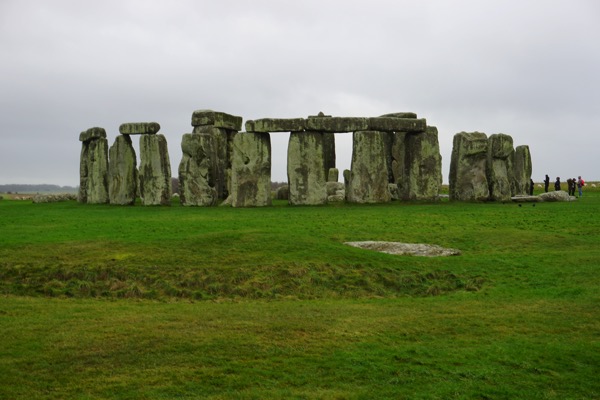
337, 124
394, 124
217, 119
92, 133
276, 125
139, 128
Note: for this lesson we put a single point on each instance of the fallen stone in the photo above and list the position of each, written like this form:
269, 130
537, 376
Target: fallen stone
334, 188
276, 125
412, 249
557, 195
216, 119
336, 198
139, 128
526, 199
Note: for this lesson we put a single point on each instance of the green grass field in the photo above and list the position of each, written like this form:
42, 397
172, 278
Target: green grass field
221, 303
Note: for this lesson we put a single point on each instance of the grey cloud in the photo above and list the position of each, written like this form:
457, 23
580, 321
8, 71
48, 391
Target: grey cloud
527, 69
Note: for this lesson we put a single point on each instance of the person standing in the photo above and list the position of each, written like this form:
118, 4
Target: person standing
557, 183
580, 185
571, 186
531, 187
546, 183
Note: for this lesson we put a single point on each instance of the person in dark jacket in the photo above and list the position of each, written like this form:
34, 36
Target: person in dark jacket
557, 183
531, 187
546, 183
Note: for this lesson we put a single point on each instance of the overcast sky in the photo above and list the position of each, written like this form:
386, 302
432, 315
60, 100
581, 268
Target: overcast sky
529, 69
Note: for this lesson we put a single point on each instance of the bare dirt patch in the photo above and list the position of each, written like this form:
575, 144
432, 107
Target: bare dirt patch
410, 249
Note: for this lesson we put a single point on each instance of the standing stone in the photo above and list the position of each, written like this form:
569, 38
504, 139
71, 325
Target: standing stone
122, 172
198, 170
367, 180
522, 169
333, 175
328, 151
468, 179
223, 127
155, 170
399, 164
306, 170
424, 165
93, 167
251, 170
220, 157
499, 166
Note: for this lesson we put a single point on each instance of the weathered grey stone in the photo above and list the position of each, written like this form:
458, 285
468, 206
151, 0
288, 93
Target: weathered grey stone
92, 133
423, 165
557, 195
336, 198
347, 175
392, 124
251, 170
222, 139
333, 175
328, 151
93, 171
337, 124
306, 169
413, 249
198, 170
154, 171
499, 166
393, 188
400, 115
139, 128
276, 125
468, 179
525, 199
368, 178
334, 188
522, 169
400, 175
122, 172
216, 119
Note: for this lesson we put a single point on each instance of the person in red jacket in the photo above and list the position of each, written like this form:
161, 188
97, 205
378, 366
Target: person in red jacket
580, 185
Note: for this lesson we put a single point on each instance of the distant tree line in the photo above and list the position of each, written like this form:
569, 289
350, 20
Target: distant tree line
22, 188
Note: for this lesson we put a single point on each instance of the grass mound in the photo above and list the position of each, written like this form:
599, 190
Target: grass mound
265, 281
